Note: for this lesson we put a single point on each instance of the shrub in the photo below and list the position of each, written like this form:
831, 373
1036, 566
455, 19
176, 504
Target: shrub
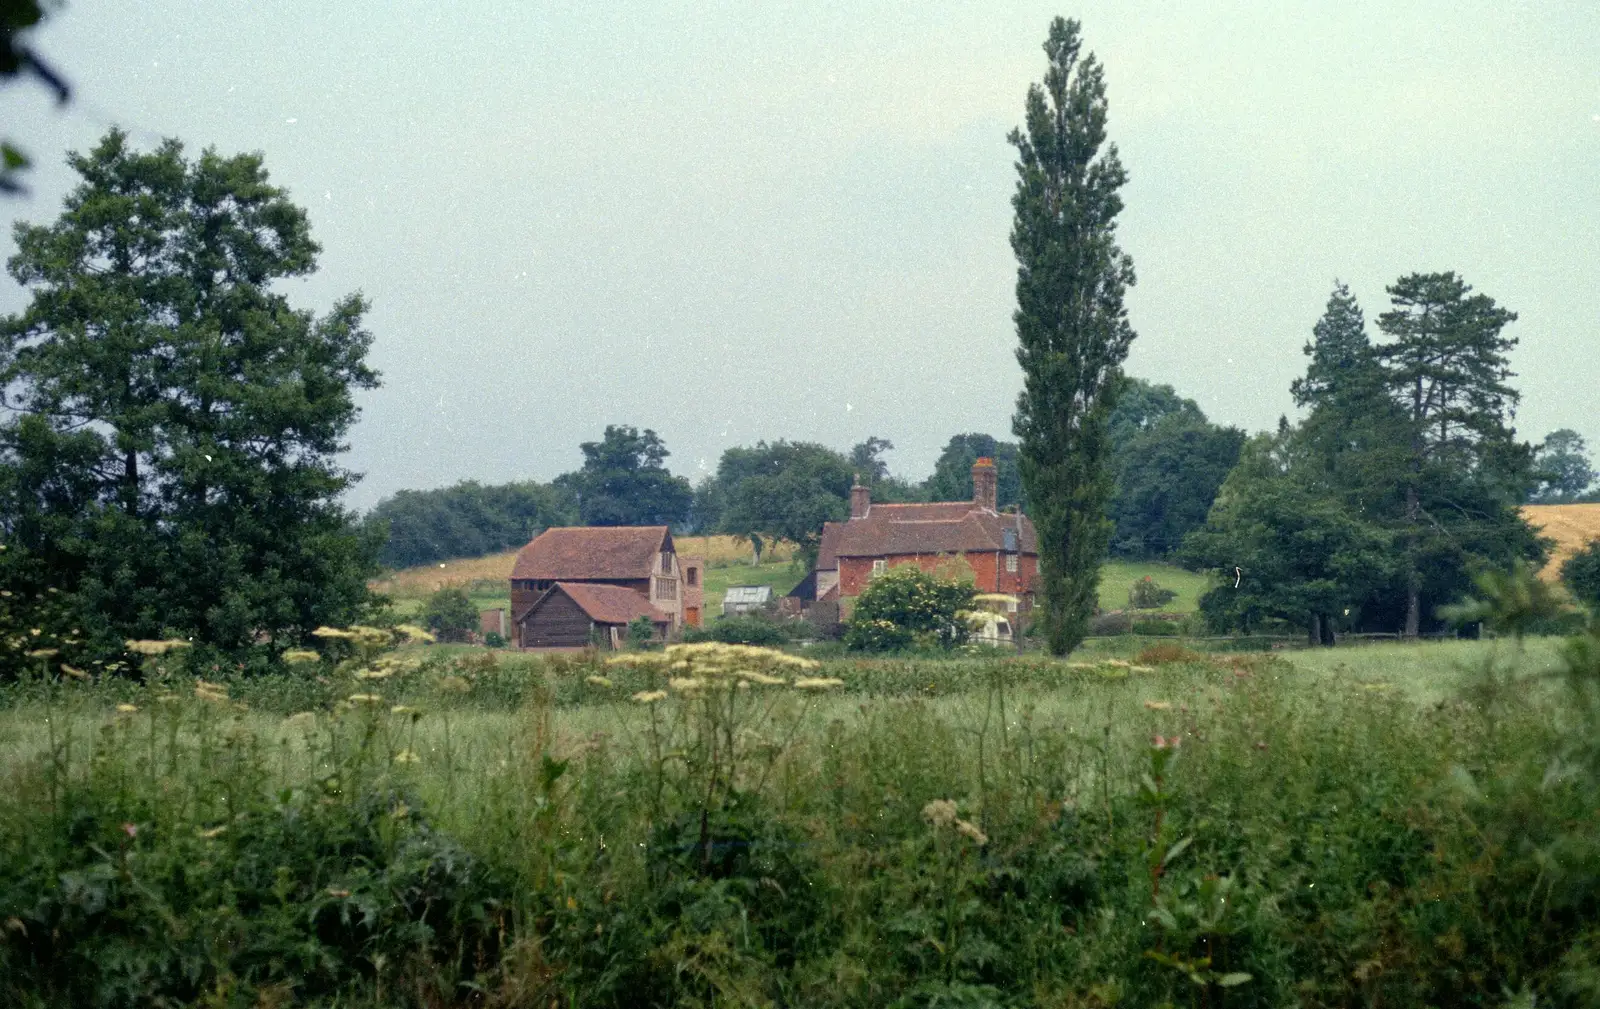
1161, 627
494, 639
449, 614
1164, 653
1108, 624
1581, 575
641, 632
1146, 594
746, 629
905, 604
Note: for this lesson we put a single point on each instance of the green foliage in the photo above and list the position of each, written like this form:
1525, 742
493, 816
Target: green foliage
746, 629
170, 458
1167, 478
467, 520
450, 615
785, 490
1146, 594
624, 481
1561, 465
906, 605
1072, 328
952, 471
1160, 628
17, 18
641, 632
1580, 573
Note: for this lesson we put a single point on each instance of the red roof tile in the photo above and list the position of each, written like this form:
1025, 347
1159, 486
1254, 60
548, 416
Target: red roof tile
945, 527
607, 604
583, 553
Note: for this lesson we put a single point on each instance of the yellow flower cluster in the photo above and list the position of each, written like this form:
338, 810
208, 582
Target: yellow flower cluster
213, 692
941, 813
358, 634
154, 647
714, 665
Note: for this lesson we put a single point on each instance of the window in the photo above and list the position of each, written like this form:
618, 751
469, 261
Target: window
691, 577
666, 588
666, 562
1011, 606
1011, 564
877, 568
1009, 537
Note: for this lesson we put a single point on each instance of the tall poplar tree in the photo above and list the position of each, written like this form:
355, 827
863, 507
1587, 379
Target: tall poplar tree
1072, 329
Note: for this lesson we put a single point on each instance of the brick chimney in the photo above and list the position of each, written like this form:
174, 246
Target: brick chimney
985, 483
860, 499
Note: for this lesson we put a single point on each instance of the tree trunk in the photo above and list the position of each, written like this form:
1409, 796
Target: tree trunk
1413, 576
1315, 631
130, 482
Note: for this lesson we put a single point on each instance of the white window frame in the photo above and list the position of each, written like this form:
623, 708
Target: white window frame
1011, 564
879, 567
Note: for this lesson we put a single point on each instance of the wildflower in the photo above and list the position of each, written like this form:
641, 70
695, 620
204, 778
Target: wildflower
303, 719
295, 656
336, 892
817, 683
126, 709
213, 832
153, 647
1159, 742
333, 633
401, 709
211, 692
131, 829
1158, 705
411, 632
940, 812
400, 811
761, 679
1261, 744
406, 757
42, 653
454, 684
650, 696
686, 684
598, 681
74, 672
1118, 663
971, 832
364, 699
1141, 669
374, 674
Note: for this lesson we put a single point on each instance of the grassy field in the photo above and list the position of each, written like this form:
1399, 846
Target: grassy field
1372, 825
1117, 577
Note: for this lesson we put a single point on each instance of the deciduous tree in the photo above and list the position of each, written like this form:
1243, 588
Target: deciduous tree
624, 481
170, 458
1072, 328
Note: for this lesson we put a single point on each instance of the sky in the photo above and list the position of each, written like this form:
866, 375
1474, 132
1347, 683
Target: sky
730, 222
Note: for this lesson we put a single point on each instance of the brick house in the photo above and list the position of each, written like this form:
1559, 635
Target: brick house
1000, 547
638, 560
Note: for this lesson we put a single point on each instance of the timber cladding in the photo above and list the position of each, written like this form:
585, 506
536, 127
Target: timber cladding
558, 623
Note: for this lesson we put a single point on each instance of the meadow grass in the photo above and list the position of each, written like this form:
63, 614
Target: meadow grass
449, 826
1117, 578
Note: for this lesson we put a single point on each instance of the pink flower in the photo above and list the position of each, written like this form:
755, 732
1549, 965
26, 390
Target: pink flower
1159, 742
132, 830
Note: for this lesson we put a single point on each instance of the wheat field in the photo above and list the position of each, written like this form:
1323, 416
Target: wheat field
1570, 525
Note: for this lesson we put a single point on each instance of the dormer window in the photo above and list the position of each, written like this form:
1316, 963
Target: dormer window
1009, 538
666, 562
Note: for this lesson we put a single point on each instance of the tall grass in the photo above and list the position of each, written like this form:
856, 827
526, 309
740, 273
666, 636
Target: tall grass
1159, 829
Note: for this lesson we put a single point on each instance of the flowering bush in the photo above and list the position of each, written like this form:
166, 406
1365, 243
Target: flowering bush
907, 606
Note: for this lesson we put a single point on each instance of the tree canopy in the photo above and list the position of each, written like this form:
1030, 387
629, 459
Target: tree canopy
625, 482
467, 520
169, 460
1562, 468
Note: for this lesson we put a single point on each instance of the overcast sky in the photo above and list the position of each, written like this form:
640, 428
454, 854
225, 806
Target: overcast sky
730, 222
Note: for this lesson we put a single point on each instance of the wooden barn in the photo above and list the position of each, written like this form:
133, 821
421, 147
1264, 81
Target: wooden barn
637, 559
577, 614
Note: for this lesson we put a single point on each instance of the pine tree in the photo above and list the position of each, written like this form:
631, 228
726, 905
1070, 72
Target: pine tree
1447, 370
1072, 329
1339, 350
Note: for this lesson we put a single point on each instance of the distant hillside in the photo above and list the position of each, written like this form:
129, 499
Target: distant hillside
1570, 525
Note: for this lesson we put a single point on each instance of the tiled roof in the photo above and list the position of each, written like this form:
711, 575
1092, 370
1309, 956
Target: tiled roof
946, 527
583, 553
606, 604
